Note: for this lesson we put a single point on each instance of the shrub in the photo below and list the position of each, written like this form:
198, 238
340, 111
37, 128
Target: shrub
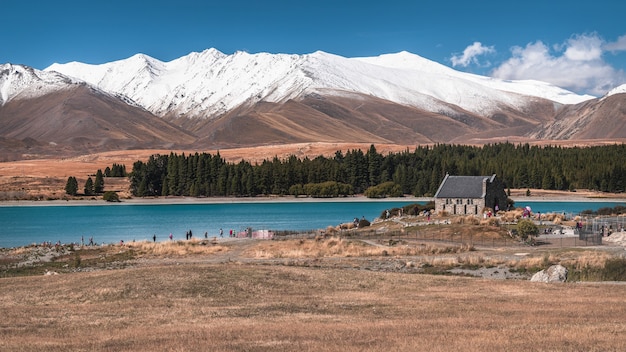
111, 196
364, 223
416, 209
383, 190
325, 189
527, 228
615, 270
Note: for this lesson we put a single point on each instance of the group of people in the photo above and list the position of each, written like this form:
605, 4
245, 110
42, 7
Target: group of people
82, 241
189, 235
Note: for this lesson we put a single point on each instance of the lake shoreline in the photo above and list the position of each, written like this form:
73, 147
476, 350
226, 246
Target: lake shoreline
286, 199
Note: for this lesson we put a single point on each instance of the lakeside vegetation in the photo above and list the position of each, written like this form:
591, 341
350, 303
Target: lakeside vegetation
418, 172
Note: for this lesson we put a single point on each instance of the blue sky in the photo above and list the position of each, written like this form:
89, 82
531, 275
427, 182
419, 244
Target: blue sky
577, 45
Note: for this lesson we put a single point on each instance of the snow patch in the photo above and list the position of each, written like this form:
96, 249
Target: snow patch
618, 90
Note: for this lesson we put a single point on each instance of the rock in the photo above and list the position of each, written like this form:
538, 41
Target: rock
555, 273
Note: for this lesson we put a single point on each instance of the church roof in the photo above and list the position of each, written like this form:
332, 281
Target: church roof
463, 186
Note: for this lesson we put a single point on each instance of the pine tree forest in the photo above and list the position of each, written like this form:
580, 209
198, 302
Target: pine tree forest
418, 172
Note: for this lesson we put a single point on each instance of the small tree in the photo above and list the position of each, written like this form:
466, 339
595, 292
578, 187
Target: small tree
89, 188
527, 228
71, 187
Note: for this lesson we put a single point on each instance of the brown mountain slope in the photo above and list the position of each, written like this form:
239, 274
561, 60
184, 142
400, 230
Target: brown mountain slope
594, 119
291, 122
83, 120
359, 118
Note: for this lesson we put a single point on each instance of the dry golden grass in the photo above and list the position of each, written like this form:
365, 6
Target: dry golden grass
345, 248
275, 308
177, 248
581, 260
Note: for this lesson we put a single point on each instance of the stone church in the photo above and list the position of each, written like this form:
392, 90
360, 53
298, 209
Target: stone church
465, 195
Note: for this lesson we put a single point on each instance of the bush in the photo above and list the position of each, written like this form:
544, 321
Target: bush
615, 270
383, 190
324, 190
111, 196
416, 209
527, 228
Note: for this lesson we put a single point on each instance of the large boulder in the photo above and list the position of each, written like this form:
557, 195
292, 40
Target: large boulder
555, 273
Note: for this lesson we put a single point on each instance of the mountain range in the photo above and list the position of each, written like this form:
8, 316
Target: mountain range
214, 100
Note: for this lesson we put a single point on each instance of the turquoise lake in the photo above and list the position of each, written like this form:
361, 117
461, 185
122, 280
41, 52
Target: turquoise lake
110, 223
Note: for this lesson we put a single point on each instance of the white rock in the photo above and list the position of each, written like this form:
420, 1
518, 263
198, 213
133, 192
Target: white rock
555, 273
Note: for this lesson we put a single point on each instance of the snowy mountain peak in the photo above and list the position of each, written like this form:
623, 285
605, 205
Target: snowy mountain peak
617, 90
210, 83
23, 81
407, 60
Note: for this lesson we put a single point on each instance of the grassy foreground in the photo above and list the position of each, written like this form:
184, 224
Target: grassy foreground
233, 306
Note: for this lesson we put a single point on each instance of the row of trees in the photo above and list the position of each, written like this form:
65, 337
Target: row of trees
418, 172
91, 187
116, 170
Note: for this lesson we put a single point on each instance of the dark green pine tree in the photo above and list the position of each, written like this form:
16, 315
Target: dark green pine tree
374, 163
89, 187
71, 187
99, 183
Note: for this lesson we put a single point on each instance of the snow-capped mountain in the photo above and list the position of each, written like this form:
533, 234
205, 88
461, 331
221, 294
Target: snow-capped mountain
25, 82
210, 83
48, 112
213, 100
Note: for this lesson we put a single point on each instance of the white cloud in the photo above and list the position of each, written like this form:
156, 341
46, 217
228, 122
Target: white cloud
575, 65
618, 45
470, 54
583, 48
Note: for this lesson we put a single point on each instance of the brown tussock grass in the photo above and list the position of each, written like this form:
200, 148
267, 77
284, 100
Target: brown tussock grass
587, 259
176, 248
571, 259
340, 247
517, 214
471, 260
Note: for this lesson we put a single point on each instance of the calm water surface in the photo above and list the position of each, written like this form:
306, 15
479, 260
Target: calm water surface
110, 223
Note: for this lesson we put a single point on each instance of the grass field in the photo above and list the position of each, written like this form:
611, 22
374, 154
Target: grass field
308, 296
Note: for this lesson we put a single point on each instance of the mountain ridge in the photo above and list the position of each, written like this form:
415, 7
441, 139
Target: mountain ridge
403, 78
210, 99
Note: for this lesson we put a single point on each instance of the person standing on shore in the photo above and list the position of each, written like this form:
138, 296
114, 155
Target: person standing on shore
154, 238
